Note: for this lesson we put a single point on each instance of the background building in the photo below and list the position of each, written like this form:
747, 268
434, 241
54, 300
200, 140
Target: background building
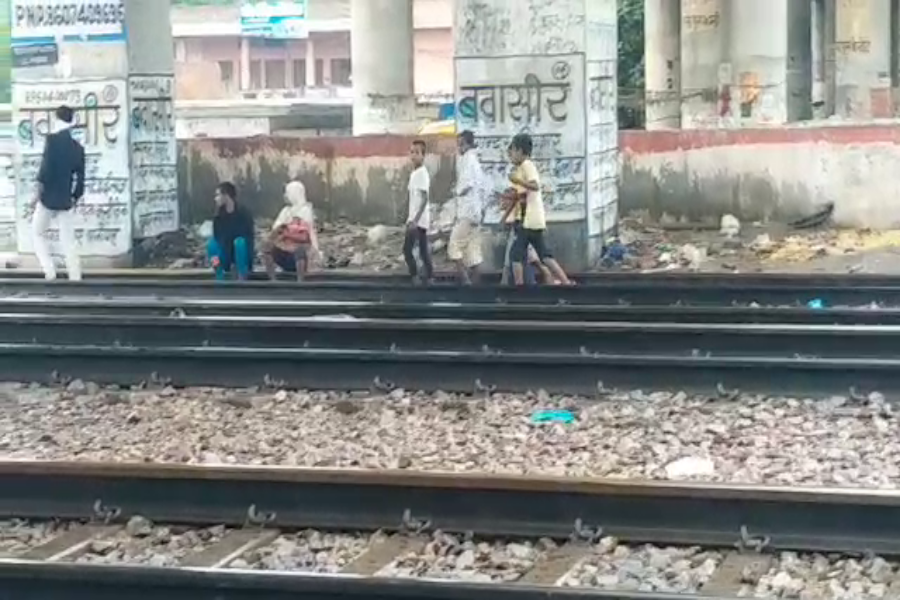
214, 61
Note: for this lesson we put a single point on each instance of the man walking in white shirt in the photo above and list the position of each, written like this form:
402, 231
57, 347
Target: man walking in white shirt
464, 247
418, 219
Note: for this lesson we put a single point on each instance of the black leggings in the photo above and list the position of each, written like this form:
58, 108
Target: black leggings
529, 237
417, 236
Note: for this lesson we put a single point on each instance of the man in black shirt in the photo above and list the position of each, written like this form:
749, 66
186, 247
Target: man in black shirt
60, 186
232, 241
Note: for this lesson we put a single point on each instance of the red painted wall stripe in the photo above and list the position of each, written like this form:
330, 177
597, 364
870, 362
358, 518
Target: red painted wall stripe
654, 142
632, 141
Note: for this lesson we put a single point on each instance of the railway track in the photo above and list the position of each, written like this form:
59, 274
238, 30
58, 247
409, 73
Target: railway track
247, 338
451, 371
246, 524
461, 355
636, 290
335, 333
492, 278
217, 307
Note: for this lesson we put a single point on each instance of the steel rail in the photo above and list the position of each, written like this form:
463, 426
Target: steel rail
454, 335
493, 277
721, 515
211, 307
648, 292
465, 372
29, 580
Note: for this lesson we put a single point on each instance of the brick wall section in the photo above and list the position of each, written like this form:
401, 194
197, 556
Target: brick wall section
363, 179
754, 174
763, 174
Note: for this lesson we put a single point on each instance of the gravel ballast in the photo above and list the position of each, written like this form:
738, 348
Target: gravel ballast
819, 577
143, 542
17, 535
615, 566
608, 565
840, 441
309, 551
448, 556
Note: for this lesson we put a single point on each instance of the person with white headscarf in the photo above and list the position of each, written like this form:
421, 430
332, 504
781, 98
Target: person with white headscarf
293, 240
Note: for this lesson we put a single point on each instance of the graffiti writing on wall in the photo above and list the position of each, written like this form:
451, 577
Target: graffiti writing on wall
523, 103
541, 95
153, 155
7, 201
602, 147
103, 218
88, 19
852, 47
519, 27
482, 28
700, 15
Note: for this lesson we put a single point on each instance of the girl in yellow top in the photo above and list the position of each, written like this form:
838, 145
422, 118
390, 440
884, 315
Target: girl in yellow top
534, 221
512, 218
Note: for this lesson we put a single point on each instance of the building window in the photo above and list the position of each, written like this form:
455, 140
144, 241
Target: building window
298, 70
340, 71
180, 51
226, 73
275, 75
320, 72
255, 75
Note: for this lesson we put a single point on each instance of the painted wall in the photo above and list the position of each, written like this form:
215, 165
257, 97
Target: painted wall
548, 69
765, 173
362, 179
754, 174
121, 88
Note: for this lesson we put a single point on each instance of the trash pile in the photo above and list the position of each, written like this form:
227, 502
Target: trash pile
344, 245
733, 246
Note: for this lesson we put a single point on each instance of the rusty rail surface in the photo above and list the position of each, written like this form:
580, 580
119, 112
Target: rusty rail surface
28, 580
750, 522
493, 277
637, 290
715, 514
219, 307
589, 373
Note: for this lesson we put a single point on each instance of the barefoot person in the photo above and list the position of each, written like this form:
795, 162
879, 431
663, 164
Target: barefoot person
534, 223
60, 187
231, 246
464, 247
512, 205
293, 241
512, 220
418, 219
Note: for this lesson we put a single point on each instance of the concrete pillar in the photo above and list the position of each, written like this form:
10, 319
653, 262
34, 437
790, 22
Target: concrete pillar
326, 76
770, 57
705, 69
245, 63
384, 98
662, 52
122, 90
819, 59
800, 61
151, 96
862, 59
548, 68
310, 63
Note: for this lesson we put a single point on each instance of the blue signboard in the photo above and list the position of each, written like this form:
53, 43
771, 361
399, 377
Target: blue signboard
277, 19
